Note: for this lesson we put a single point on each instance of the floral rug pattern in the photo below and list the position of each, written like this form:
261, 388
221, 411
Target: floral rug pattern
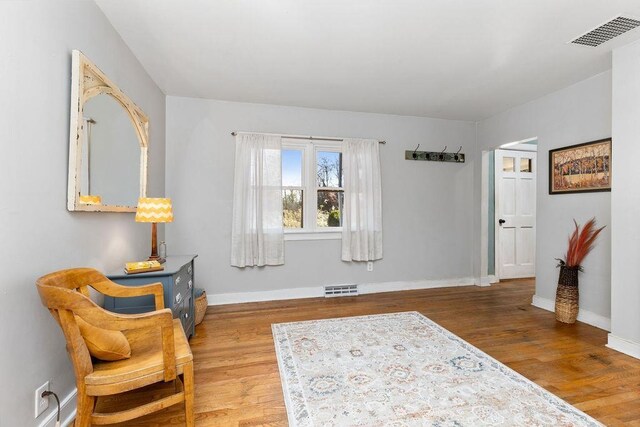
403, 369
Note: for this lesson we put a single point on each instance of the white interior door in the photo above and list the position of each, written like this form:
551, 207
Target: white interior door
515, 178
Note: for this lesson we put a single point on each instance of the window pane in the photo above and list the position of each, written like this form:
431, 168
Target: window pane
330, 208
291, 168
509, 164
525, 165
329, 167
292, 208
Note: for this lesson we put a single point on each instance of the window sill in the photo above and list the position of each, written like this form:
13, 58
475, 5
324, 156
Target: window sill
312, 235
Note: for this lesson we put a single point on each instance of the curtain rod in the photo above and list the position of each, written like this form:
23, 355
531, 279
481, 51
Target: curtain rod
313, 138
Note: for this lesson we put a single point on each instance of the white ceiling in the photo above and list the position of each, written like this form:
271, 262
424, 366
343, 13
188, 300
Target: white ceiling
453, 59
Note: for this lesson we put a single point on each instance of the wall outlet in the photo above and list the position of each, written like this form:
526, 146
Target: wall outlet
41, 403
370, 266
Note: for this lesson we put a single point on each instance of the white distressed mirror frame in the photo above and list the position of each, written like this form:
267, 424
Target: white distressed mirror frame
88, 81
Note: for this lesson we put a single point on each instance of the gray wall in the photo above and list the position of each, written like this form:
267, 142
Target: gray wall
427, 206
576, 114
625, 197
38, 234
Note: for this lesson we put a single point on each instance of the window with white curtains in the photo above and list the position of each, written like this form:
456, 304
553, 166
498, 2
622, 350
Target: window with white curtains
305, 190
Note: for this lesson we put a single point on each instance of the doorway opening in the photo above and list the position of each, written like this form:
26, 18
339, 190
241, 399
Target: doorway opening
509, 211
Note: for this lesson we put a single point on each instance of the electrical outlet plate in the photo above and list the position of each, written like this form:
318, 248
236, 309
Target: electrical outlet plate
41, 403
370, 266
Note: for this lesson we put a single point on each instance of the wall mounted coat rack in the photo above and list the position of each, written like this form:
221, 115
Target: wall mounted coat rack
435, 156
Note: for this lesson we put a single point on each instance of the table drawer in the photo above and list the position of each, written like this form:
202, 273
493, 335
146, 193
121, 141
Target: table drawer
184, 312
183, 280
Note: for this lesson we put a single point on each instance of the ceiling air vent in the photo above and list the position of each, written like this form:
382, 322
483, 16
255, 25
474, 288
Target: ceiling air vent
606, 32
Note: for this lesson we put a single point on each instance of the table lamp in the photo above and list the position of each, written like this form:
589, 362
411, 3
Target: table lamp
154, 210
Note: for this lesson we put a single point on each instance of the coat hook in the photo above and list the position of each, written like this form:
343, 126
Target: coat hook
441, 155
455, 156
415, 154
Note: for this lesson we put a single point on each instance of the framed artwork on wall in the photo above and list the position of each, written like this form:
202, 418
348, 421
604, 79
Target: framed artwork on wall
580, 168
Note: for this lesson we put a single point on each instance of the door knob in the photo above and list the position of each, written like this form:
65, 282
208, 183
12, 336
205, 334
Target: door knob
501, 221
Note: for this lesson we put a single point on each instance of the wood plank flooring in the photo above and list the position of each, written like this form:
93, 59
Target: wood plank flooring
237, 380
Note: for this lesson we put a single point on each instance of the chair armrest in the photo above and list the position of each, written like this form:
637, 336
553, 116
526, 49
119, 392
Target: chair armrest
107, 287
163, 318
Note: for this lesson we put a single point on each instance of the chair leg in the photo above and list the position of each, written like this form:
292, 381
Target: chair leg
84, 411
189, 391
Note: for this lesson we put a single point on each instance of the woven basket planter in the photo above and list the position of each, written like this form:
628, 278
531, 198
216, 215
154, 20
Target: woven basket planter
201, 307
567, 295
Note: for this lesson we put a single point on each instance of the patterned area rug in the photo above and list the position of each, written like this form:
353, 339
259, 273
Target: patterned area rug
403, 369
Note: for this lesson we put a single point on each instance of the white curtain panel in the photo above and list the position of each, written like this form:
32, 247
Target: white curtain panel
257, 235
362, 215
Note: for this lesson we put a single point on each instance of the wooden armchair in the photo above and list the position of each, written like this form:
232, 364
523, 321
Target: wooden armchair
159, 348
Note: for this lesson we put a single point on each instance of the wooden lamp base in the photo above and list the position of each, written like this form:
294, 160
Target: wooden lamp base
160, 260
154, 244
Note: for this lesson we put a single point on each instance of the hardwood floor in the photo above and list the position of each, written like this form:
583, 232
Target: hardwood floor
237, 381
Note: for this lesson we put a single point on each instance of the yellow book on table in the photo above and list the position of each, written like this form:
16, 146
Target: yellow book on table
142, 267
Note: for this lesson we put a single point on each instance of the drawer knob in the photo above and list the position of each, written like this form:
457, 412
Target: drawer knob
178, 279
186, 315
190, 284
178, 297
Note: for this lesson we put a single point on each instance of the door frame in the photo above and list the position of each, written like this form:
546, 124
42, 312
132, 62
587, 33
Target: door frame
485, 279
497, 269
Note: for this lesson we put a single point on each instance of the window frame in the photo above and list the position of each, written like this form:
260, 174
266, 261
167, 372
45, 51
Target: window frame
301, 188
310, 230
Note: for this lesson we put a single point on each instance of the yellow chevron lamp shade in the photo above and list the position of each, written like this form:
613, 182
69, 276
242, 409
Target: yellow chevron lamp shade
154, 209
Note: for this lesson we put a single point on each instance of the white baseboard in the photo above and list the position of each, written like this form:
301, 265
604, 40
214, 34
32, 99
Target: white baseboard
374, 288
488, 280
275, 295
584, 316
622, 345
67, 410
318, 291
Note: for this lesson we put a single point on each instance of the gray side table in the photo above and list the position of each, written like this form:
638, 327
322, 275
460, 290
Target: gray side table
178, 281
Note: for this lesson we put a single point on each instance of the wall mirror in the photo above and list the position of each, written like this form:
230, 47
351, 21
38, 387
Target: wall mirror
109, 136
